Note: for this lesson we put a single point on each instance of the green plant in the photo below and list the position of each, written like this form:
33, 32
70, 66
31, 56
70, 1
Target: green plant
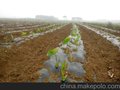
66, 40
73, 33
23, 33
63, 71
53, 52
76, 41
57, 65
32, 32
38, 30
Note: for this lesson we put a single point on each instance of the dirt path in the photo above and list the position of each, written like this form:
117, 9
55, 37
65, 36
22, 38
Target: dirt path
20, 64
102, 58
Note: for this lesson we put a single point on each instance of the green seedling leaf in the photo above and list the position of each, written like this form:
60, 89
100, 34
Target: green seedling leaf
63, 65
52, 52
66, 40
76, 41
73, 33
23, 33
63, 70
64, 78
63, 75
32, 32
78, 36
38, 30
57, 65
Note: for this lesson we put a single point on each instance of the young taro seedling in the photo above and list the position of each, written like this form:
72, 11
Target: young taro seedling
66, 40
38, 30
23, 33
67, 50
75, 37
73, 33
32, 32
53, 52
64, 73
76, 41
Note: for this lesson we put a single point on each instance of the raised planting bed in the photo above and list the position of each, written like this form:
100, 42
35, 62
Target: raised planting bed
17, 38
111, 31
7, 36
25, 32
65, 62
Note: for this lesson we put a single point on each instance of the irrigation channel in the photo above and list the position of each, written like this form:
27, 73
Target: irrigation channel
19, 40
65, 62
115, 40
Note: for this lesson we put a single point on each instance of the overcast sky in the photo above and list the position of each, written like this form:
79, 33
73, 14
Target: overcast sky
86, 9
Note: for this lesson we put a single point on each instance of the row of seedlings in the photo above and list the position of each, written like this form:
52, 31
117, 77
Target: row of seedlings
24, 36
65, 62
104, 28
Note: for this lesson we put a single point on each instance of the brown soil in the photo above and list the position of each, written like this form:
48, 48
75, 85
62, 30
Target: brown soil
21, 63
101, 58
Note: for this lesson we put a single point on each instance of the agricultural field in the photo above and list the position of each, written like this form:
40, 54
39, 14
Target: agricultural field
37, 51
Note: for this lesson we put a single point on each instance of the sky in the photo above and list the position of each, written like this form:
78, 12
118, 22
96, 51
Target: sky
86, 9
